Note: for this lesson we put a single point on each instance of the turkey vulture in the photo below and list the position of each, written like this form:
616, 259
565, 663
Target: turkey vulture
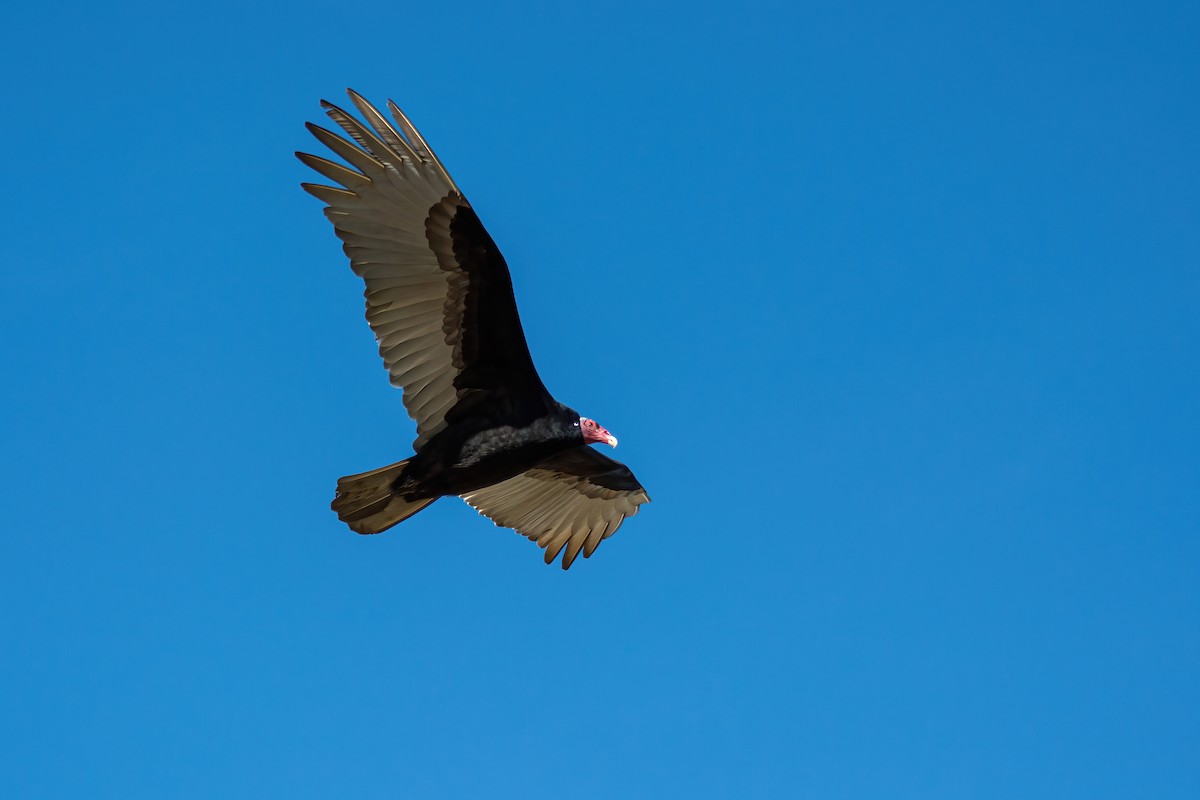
440, 302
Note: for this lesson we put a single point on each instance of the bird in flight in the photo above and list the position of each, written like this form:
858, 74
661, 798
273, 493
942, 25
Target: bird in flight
440, 302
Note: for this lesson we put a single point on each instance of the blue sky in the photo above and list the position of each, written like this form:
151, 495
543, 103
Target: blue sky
893, 308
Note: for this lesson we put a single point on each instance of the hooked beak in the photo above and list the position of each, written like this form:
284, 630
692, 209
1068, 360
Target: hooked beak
595, 433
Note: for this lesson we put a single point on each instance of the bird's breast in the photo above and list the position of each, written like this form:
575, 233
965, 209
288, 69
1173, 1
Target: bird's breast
449, 466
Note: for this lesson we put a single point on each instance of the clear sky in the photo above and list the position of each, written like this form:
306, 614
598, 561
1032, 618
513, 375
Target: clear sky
893, 307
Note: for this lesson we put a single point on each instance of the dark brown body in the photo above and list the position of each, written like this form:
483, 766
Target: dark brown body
472, 455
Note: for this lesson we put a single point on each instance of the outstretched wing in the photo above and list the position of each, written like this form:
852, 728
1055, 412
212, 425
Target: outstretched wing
575, 500
439, 295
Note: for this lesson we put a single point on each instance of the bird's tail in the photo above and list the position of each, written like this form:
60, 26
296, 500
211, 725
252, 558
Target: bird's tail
367, 504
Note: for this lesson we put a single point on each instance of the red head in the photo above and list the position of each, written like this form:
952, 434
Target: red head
594, 432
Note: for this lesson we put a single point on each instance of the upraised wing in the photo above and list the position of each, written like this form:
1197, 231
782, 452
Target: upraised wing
573, 500
439, 295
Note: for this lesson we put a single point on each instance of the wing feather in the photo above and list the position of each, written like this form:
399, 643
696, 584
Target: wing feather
328, 194
568, 504
354, 156
335, 172
383, 128
422, 148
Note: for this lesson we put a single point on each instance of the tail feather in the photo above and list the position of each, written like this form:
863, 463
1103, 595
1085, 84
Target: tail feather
367, 504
